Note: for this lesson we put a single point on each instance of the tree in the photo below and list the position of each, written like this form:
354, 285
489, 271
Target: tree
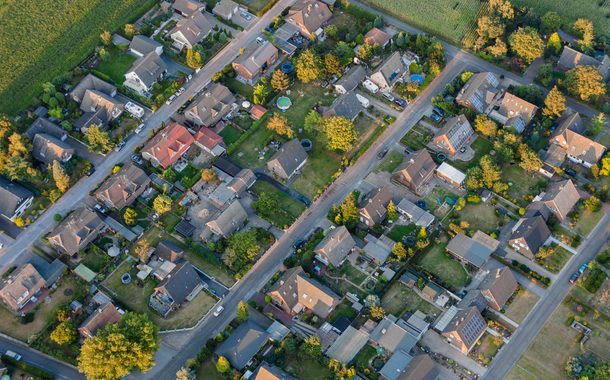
130, 30
279, 81
490, 172
585, 28
185, 374
97, 139
498, 49
242, 311
340, 133
593, 204
209, 175
162, 204
344, 52
347, 213
18, 168
585, 82
554, 43
550, 22
377, 312
130, 216
279, 124
527, 44
267, 205
597, 124
142, 249
502, 8
529, 160
546, 252
331, 31
193, 59
554, 104
308, 66
62, 180
391, 210
222, 365
605, 167
313, 122
64, 333
399, 251
485, 126
106, 37
241, 249
341, 371
332, 64
311, 346
488, 28
365, 51
260, 93
19, 222
18, 145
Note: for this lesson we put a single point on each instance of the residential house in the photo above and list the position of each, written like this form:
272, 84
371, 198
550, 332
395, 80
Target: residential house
450, 175
335, 247
405, 367
514, 112
373, 208
578, 148
255, 61
393, 335
571, 58
243, 344
390, 72
480, 92
50, 272
396, 366
347, 345
528, 235
211, 107
350, 80
142, 45
465, 329
209, 141
414, 213
187, 8
169, 251
124, 187
377, 37
288, 160
454, 136
242, 182
229, 221
347, 106
560, 198
103, 316
377, 250
288, 38
98, 110
270, 372
416, 172
295, 292
21, 287
47, 148
309, 16
168, 145
182, 285
190, 31
91, 82
225, 9
14, 199
473, 250
76, 231
498, 286
144, 73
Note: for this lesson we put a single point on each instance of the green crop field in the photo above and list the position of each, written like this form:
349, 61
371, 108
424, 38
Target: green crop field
597, 11
42, 39
449, 19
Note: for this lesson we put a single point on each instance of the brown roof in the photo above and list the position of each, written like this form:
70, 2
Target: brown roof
187, 7
76, 231
571, 121
512, 106
214, 104
377, 36
421, 367
560, 197
47, 148
242, 181
580, 147
229, 220
375, 203
270, 372
257, 111
417, 170
499, 285
255, 57
194, 28
123, 187
571, 58
336, 245
103, 316
468, 324
91, 82
21, 286
168, 145
309, 15
168, 251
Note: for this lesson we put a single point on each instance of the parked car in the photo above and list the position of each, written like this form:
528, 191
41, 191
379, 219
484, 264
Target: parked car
570, 172
438, 111
13, 355
180, 91
298, 244
382, 154
574, 277
119, 146
100, 208
137, 159
388, 96
218, 311
90, 171
400, 102
583, 268
139, 128
435, 117
260, 40
170, 100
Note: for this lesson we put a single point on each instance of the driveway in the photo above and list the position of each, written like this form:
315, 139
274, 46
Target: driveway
438, 344
174, 67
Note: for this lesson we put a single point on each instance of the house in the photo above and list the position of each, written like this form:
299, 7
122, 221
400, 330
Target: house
91, 82
373, 208
402, 366
98, 109
414, 213
14, 199
144, 73
528, 235
211, 107
515, 112
186, 8
169, 251
103, 316
347, 106
225, 9
270, 372
50, 272
47, 148
416, 172
454, 136
578, 148
396, 366
377, 250
288, 160
390, 72
190, 31
498, 286
309, 16
76, 231
350, 80
295, 292
288, 38
450, 175
393, 335
168, 145
142, 45
229, 221
480, 92
243, 344
123, 187
377, 37
465, 329
242, 182
335, 247
473, 250
571, 58
21, 287
182, 285
209, 141
560, 198
347, 346
255, 61
257, 111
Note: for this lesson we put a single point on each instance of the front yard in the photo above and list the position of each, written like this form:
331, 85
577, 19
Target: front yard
487, 347
288, 209
399, 300
557, 260
522, 304
390, 162
443, 266
587, 221
417, 138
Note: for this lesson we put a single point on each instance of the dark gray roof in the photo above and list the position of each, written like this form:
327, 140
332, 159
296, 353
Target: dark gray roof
12, 195
51, 272
182, 281
396, 365
91, 82
534, 231
149, 68
185, 228
241, 346
475, 250
290, 156
393, 335
352, 78
346, 105
143, 44
227, 166
168, 250
42, 125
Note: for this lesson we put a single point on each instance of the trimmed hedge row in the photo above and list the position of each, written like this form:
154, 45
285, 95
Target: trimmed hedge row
29, 368
253, 128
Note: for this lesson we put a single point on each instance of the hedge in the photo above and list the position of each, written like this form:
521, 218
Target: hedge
29, 368
253, 128
264, 9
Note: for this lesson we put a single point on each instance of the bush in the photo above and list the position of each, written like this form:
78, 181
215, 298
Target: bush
594, 280
57, 217
28, 318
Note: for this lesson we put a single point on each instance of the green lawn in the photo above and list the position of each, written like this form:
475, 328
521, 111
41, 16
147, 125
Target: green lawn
522, 185
304, 367
390, 162
399, 300
587, 222
240, 88
362, 360
398, 232
288, 210
343, 310
318, 171
117, 65
440, 264
230, 135
351, 273
417, 137
481, 216
94, 258
488, 347
555, 262
207, 371
481, 147
247, 153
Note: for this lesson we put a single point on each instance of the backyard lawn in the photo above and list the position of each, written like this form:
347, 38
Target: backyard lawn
94, 258
399, 300
398, 232
343, 310
362, 360
417, 137
230, 134
481, 147
481, 216
436, 198
207, 371
521, 306
288, 210
116, 65
440, 264
587, 222
556, 261
304, 367
390, 162
521, 184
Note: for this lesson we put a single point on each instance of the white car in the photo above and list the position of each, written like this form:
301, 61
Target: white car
218, 311
139, 128
260, 40
180, 91
13, 355
134, 109
170, 100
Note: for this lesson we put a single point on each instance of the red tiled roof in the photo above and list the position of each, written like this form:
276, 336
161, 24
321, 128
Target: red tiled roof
258, 111
169, 144
208, 138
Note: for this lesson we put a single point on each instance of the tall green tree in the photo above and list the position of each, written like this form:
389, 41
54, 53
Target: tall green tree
162, 204
242, 311
62, 180
554, 43
313, 122
308, 66
193, 59
279, 81
97, 139
222, 365
585, 82
260, 93
554, 104
550, 22
527, 44
332, 64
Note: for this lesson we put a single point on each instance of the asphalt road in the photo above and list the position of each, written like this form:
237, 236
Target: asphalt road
60, 369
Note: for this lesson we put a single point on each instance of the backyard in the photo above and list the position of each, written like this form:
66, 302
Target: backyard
417, 137
522, 304
288, 209
441, 265
481, 147
116, 65
399, 300
487, 348
522, 186
304, 367
482, 217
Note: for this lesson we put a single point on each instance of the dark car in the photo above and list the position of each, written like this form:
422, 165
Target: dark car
298, 244
400, 102
574, 277
382, 154
570, 172
438, 111
90, 171
437, 118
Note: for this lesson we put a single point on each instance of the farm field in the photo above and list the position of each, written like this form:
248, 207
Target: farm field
40, 40
450, 20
